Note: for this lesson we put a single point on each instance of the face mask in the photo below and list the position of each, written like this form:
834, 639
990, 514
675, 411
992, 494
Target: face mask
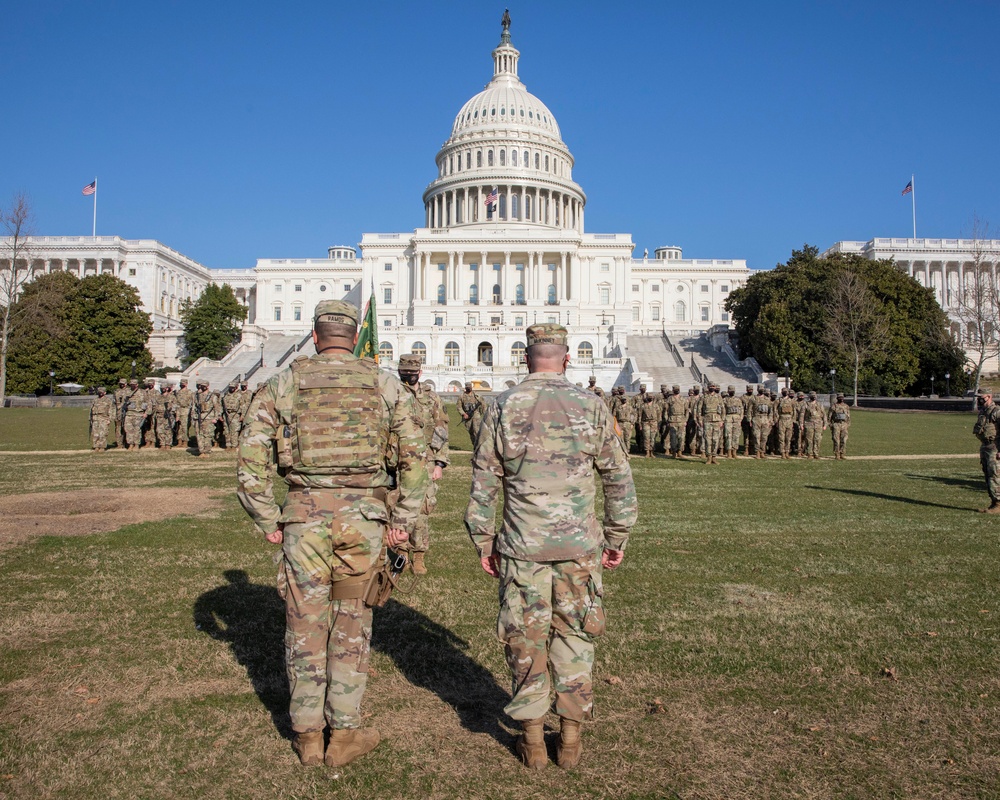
410, 378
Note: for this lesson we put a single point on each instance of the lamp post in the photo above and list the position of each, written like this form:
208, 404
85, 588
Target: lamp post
932, 385
833, 381
786, 374
262, 355
52, 377
133, 369
947, 384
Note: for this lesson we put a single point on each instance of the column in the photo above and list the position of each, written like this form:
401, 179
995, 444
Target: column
561, 285
505, 293
459, 280
485, 292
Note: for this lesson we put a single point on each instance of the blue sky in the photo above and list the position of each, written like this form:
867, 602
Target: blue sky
236, 131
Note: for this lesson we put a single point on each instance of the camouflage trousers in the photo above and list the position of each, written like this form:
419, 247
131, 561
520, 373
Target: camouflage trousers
761, 430
991, 470
814, 437
472, 426
420, 539
675, 430
785, 426
99, 433
328, 536
626, 433
747, 427
232, 431
839, 432
133, 429
731, 433
164, 431
206, 433
711, 438
183, 421
648, 436
550, 615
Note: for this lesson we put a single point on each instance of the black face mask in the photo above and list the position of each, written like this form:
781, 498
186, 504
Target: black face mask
410, 378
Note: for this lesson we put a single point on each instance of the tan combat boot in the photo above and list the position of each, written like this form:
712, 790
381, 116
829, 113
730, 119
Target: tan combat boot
570, 747
347, 744
309, 746
417, 563
531, 744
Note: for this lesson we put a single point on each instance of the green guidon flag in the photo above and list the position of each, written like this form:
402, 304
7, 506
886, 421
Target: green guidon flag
368, 335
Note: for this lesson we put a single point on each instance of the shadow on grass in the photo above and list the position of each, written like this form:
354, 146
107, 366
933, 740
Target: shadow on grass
251, 618
896, 498
431, 656
964, 483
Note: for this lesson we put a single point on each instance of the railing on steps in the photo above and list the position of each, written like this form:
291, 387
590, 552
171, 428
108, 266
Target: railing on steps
673, 349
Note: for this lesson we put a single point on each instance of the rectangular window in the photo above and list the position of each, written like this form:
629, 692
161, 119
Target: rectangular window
474, 267
635, 313
442, 267
725, 316
387, 296
519, 267
724, 288
131, 270
277, 287
297, 313
518, 322
347, 287
656, 313
473, 319
495, 321
704, 288
298, 287
605, 266
277, 315
635, 287
553, 318
387, 323
655, 287
388, 266
704, 314
605, 296
439, 321
497, 267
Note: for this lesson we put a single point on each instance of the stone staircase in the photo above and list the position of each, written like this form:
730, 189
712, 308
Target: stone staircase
243, 363
683, 363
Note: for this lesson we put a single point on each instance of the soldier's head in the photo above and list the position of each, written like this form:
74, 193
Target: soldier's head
713, 388
812, 395
642, 388
134, 383
101, 391
695, 389
761, 390
731, 391
784, 392
409, 368
801, 396
840, 398
599, 391
335, 324
122, 382
202, 385
985, 398
749, 389
150, 383
184, 382
592, 380
243, 386
675, 389
468, 386
233, 386
165, 388
664, 389
547, 348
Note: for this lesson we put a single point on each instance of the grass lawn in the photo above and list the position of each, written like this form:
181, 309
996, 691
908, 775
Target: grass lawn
777, 630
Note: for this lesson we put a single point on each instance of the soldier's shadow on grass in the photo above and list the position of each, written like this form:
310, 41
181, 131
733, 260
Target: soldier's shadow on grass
880, 496
963, 483
251, 619
431, 656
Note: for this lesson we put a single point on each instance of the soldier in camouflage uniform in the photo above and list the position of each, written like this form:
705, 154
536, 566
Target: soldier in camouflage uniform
710, 413
470, 409
814, 421
762, 418
120, 394
135, 412
840, 424
649, 417
692, 439
732, 407
637, 401
102, 415
185, 399
798, 432
149, 424
624, 414
433, 422
675, 414
747, 425
245, 397
986, 428
786, 411
331, 416
231, 415
542, 441
164, 413
207, 411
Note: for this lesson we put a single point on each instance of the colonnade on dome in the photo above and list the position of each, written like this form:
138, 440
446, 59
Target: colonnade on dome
516, 202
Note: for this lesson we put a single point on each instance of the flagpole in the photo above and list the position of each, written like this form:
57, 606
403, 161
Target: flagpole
913, 201
94, 230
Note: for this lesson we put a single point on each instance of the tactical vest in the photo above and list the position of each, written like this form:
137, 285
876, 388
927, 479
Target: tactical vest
985, 430
338, 424
734, 406
676, 409
786, 407
762, 407
711, 408
839, 415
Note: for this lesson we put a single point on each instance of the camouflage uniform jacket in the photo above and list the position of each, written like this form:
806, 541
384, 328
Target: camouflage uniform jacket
541, 440
433, 423
624, 411
676, 409
120, 394
272, 412
840, 413
103, 408
184, 397
786, 407
734, 406
245, 397
135, 404
231, 403
211, 408
813, 416
762, 406
164, 404
988, 424
710, 409
469, 403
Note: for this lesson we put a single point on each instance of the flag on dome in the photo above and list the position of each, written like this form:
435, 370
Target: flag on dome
492, 197
90, 189
367, 346
908, 189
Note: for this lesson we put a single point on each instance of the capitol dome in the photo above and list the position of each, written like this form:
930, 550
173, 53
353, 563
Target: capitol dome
505, 144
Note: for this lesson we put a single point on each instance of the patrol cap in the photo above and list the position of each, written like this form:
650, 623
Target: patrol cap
101, 390
730, 388
714, 386
122, 382
802, 395
642, 387
468, 385
749, 388
203, 383
339, 311
133, 382
664, 387
410, 362
233, 384
243, 385
840, 396
696, 388
592, 379
546, 333
812, 395
761, 389
184, 381
675, 388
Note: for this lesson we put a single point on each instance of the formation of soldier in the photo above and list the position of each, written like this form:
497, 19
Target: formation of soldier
714, 424
149, 418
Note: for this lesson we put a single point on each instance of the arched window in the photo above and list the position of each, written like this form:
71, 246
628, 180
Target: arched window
680, 311
536, 160
385, 351
527, 206
519, 295
468, 160
502, 206
546, 163
514, 206
552, 295
496, 294
517, 353
513, 158
525, 160
489, 158
421, 350
441, 294
452, 354
479, 158
473, 295
585, 351
503, 158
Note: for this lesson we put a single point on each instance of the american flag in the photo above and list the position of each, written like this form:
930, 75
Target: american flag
492, 197
90, 189
909, 188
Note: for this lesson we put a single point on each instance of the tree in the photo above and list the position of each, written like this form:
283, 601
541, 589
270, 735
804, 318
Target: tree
978, 302
15, 268
858, 327
41, 339
212, 323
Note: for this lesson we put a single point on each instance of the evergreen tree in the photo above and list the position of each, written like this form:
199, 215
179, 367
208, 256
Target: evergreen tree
212, 323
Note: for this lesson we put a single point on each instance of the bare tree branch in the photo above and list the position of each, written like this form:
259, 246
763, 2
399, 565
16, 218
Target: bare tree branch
15, 269
977, 304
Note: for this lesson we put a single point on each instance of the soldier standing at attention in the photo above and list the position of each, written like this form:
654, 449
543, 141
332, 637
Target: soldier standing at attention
649, 415
840, 423
185, 399
102, 414
733, 408
245, 397
331, 416
134, 410
624, 414
231, 415
786, 422
747, 424
676, 416
763, 417
433, 422
149, 424
814, 421
638, 401
542, 441
120, 394
592, 384
985, 429
798, 434
207, 411
710, 413
164, 411
470, 409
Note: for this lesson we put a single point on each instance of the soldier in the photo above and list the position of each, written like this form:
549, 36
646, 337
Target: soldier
331, 416
184, 399
470, 409
541, 442
592, 384
164, 414
231, 416
814, 421
624, 414
638, 400
985, 429
747, 424
433, 423
675, 414
120, 394
135, 412
245, 397
840, 423
148, 424
733, 408
649, 415
798, 432
692, 440
710, 413
207, 411
102, 414
786, 411
762, 419
662, 436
